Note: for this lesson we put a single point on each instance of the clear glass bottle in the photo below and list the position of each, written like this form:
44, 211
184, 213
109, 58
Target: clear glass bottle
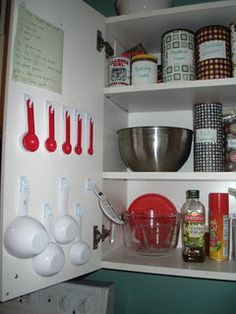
193, 228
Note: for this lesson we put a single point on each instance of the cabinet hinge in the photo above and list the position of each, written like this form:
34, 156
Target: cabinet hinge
98, 236
101, 43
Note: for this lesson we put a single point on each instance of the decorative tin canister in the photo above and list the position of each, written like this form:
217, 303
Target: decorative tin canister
230, 141
119, 71
177, 50
143, 69
233, 47
208, 137
213, 52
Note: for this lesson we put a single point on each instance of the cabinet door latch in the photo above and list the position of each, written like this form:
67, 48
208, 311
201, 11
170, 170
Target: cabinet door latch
98, 236
101, 43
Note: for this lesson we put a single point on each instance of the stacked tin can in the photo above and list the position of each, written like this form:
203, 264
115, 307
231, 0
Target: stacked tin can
177, 51
119, 71
208, 137
213, 52
233, 47
230, 141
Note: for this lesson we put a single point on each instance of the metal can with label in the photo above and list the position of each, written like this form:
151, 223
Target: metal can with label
119, 71
219, 226
208, 137
213, 52
143, 69
230, 141
177, 53
233, 47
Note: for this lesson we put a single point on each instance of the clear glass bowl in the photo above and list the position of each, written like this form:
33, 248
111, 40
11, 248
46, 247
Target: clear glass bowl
149, 233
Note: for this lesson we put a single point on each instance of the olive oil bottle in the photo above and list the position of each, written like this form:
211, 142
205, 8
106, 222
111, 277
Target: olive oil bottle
193, 228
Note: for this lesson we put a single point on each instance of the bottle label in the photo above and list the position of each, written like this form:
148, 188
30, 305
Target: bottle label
193, 230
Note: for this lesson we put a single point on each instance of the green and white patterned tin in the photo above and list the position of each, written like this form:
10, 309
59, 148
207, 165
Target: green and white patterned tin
177, 53
233, 47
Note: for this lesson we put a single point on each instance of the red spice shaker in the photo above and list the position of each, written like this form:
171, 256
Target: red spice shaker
219, 226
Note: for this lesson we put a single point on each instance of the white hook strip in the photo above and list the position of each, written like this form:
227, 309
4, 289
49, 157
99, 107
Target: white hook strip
24, 196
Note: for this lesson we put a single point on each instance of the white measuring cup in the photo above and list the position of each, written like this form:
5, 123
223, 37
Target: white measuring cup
52, 259
80, 252
65, 227
25, 236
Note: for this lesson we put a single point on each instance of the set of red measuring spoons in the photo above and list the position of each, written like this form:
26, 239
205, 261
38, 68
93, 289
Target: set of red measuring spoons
30, 140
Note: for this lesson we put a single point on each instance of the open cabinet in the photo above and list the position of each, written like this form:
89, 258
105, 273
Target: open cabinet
80, 73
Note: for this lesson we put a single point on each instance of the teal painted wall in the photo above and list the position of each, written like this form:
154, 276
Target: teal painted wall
137, 293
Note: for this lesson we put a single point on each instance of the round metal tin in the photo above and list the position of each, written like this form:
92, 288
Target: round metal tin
119, 71
177, 50
208, 137
213, 52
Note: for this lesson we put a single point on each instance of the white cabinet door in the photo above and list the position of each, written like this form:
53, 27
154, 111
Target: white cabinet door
81, 93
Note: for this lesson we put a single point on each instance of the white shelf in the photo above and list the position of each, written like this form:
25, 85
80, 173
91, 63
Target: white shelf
172, 264
180, 95
173, 176
147, 27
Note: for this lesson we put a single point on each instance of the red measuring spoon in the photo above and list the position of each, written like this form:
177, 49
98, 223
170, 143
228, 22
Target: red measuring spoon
50, 142
78, 147
30, 140
67, 147
90, 146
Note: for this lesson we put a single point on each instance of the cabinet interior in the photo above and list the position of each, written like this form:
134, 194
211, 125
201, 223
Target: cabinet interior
167, 104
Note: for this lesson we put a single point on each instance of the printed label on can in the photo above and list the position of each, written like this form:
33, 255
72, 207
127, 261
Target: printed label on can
119, 71
231, 143
177, 57
212, 49
206, 136
144, 72
219, 237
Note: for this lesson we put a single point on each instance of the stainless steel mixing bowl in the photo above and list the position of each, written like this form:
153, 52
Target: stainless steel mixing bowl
155, 148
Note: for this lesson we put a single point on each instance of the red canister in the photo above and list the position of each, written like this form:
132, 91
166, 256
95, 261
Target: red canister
219, 226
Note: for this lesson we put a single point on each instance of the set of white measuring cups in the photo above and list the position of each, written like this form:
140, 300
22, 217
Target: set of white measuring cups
26, 237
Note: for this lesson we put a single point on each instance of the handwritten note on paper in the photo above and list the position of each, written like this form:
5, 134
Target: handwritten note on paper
38, 52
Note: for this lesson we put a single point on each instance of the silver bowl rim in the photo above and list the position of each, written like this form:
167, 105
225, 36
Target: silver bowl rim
154, 127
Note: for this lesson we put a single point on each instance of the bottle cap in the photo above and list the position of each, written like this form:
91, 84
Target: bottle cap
192, 194
219, 202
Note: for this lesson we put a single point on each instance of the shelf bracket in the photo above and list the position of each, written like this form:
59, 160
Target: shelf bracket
101, 43
98, 236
